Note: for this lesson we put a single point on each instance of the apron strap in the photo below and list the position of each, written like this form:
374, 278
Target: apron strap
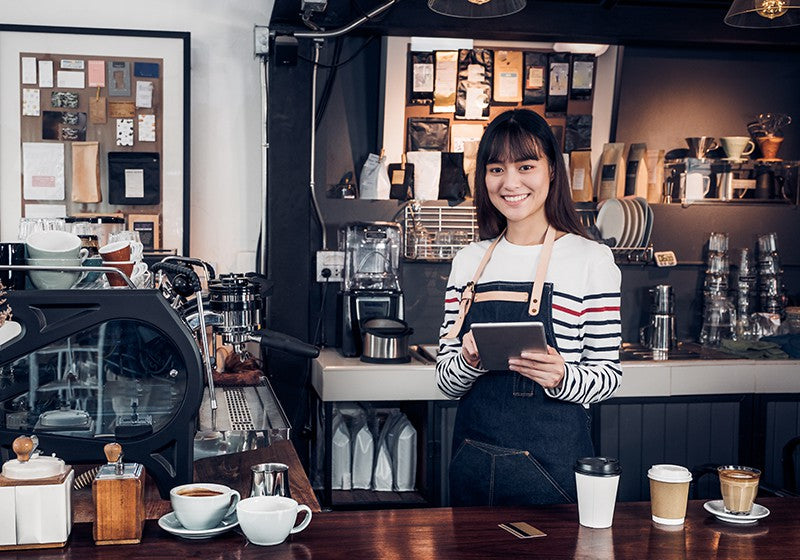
541, 271
468, 295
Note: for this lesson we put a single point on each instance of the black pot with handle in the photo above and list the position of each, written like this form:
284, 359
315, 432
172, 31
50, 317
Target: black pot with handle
385, 341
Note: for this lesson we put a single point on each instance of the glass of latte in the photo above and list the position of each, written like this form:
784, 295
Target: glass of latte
739, 486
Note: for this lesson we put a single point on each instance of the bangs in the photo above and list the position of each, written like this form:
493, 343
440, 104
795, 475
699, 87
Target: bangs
513, 143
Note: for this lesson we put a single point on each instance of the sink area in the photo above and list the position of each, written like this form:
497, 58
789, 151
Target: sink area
631, 352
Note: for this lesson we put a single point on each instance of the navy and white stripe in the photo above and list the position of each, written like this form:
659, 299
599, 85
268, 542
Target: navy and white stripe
586, 315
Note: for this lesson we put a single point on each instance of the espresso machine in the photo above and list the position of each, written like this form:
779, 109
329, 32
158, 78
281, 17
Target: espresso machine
89, 367
371, 284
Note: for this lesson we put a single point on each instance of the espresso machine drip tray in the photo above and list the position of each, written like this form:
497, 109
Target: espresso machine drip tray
246, 418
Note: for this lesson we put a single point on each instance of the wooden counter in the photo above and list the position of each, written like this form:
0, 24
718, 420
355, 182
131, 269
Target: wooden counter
446, 533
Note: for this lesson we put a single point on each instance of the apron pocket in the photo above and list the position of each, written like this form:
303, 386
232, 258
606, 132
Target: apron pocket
485, 474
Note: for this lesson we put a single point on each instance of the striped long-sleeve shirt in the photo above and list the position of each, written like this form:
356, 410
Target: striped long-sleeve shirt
586, 313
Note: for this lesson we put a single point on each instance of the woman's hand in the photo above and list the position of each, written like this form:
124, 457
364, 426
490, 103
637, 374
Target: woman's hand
470, 350
545, 369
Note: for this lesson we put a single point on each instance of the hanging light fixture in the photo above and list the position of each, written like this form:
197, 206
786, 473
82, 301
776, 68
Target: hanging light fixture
476, 9
763, 13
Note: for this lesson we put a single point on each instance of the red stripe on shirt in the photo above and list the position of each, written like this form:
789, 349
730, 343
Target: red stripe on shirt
452, 300
587, 310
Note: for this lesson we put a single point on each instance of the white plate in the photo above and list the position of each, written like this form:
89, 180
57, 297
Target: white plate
716, 508
171, 524
627, 234
611, 220
648, 221
637, 222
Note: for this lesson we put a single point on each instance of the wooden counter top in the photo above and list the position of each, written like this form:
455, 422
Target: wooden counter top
447, 533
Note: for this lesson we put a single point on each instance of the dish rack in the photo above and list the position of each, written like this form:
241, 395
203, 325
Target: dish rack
641, 255
436, 232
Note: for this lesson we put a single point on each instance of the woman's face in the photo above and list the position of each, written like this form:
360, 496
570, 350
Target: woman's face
519, 189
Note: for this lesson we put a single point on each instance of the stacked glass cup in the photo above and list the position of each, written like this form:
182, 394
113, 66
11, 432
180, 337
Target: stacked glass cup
771, 290
719, 313
745, 295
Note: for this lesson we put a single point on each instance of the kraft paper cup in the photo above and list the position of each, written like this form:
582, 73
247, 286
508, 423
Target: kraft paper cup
669, 493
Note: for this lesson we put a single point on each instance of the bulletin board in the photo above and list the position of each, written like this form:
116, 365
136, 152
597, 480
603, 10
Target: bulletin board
56, 83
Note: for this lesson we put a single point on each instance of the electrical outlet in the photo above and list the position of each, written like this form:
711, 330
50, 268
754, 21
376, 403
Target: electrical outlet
330, 266
261, 39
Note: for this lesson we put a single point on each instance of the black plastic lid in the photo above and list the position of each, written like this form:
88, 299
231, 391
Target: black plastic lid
597, 466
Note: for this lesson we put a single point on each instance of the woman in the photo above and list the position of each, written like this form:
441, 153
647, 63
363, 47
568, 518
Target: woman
519, 431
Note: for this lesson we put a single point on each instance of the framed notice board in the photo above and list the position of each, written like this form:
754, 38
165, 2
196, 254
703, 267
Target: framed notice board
103, 127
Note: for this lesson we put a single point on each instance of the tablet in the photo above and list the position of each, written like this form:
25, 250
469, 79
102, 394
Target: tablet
497, 342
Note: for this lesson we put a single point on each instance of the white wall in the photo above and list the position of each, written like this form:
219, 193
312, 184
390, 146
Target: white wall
225, 106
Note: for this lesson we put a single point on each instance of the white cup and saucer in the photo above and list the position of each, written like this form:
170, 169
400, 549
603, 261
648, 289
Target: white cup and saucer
201, 510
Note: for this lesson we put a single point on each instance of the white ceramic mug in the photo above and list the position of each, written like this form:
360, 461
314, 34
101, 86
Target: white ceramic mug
697, 186
54, 245
54, 280
268, 520
737, 146
201, 512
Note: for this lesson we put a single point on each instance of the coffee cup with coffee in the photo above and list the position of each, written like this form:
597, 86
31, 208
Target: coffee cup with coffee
201, 505
739, 487
669, 493
268, 520
597, 479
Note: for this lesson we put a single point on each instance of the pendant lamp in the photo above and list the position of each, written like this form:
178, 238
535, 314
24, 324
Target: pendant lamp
476, 9
763, 13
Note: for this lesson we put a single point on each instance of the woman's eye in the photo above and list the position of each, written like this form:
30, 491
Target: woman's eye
494, 170
525, 167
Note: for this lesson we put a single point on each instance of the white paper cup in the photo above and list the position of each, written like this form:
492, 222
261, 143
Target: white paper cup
597, 479
669, 493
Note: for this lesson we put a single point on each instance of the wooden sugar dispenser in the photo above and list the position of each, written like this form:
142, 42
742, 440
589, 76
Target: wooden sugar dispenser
118, 495
35, 499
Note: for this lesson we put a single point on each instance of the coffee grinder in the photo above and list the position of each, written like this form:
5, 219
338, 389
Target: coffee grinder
371, 283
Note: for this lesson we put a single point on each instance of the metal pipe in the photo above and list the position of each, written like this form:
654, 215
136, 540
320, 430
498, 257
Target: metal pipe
264, 161
347, 28
312, 170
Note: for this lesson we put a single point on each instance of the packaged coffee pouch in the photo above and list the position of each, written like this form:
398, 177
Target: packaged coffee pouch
474, 90
420, 79
557, 83
444, 81
611, 172
655, 175
636, 171
507, 76
580, 173
535, 84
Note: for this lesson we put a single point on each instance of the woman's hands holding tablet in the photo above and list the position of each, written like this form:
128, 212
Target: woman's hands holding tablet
545, 369
470, 350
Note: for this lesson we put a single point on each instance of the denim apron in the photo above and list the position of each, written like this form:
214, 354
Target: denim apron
514, 445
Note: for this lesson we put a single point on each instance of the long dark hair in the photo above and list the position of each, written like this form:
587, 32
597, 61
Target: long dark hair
518, 135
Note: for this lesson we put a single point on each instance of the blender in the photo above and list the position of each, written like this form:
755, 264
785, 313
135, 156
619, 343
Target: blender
371, 285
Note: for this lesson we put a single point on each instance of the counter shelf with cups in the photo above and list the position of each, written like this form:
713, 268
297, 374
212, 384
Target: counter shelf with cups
435, 233
695, 180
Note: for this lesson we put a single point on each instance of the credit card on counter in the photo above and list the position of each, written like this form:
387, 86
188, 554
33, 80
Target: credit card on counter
522, 530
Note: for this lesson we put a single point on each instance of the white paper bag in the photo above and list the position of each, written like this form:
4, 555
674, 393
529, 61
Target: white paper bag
363, 454
341, 454
427, 169
374, 183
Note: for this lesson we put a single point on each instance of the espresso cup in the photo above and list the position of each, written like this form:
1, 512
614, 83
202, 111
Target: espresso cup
669, 493
739, 487
130, 268
117, 251
201, 506
737, 146
268, 520
54, 245
54, 279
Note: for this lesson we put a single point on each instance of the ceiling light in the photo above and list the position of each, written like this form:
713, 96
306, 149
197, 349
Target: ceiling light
763, 13
476, 9
580, 48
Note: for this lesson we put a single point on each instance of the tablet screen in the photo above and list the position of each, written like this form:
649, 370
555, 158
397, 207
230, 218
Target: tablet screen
497, 342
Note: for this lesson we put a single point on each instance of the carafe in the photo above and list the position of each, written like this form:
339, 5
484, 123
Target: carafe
719, 321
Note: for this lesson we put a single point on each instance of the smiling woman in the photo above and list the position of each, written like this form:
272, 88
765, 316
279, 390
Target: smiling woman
534, 263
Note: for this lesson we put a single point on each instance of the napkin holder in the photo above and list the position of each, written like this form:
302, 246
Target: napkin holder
36, 498
118, 496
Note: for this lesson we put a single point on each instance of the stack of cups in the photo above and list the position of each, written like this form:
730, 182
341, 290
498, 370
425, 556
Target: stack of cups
771, 291
126, 256
597, 479
745, 293
53, 248
669, 493
719, 313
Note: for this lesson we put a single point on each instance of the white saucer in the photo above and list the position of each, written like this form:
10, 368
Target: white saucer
171, 524
735, 160
715, 507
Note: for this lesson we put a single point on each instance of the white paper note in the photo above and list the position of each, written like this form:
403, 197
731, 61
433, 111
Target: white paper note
71, 79
134, 183
30, 102
71, 64
144, 95
43, 170
124, 132
147, 128
28, 70
46, 73
45, 210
